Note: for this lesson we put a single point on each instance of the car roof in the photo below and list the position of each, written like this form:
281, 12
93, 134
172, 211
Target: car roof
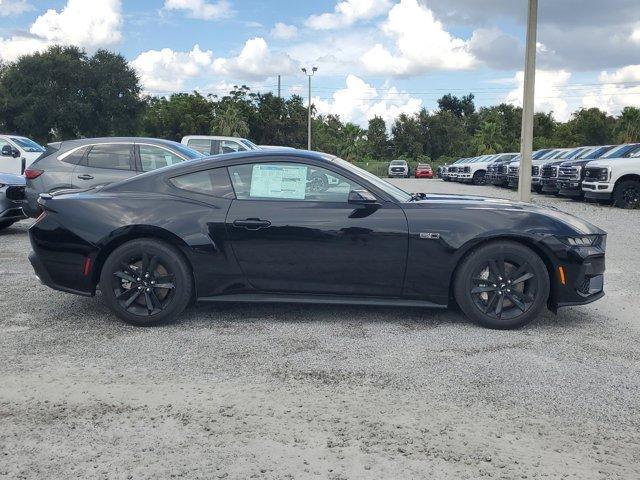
97, 140
211, 137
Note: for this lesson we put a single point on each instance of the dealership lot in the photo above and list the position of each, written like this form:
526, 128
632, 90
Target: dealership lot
297, 391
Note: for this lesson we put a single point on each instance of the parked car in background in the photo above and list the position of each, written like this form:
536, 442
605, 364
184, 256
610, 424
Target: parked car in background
571, 173
216, 145
447, 171
247, 227
424, 170
274, 147
86, 163
493, 168
398, 168
537, 160
11, 199
550, 170
615, 177
21, 147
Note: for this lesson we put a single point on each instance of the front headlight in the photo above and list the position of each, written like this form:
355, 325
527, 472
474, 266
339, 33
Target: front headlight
584, 241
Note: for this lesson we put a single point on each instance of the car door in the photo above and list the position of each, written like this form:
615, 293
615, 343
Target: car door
293, 231
104, 163
9, 164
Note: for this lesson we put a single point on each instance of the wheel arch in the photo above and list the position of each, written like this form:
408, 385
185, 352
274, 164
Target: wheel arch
529, 242
628, 176
136, 232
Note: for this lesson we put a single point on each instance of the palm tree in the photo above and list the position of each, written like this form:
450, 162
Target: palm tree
230, 123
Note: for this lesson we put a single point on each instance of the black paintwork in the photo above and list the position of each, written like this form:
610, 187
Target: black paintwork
341, 250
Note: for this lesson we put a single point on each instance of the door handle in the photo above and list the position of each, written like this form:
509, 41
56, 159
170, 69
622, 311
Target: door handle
252, 223
85, 177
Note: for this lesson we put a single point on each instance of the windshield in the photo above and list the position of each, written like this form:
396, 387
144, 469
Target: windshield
249, 144
190, 153
619, 151
398, 162
27, 144
395, 192
597, 153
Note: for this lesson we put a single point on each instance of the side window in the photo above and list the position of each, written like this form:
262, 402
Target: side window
74, 158
229, 146
113, 156
635, 153
214, 182
201, 145
289, 181
155, 157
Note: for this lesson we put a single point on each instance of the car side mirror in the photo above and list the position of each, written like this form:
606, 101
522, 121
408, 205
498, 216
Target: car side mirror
362, 197
16, 153
7, 151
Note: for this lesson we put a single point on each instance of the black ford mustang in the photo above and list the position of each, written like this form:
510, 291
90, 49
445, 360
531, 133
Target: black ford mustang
294, 226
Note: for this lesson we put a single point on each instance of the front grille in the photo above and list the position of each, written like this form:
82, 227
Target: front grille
513, 170
502, 169
549, 172
397, 169
569, 173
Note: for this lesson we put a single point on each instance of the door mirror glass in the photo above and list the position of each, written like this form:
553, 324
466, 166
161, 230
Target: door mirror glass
361, 197
7, 151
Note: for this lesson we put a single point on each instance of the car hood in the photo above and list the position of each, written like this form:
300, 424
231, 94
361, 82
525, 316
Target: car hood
578, 225
11, 179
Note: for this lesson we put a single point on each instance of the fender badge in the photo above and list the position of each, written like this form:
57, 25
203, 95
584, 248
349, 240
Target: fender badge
429, 236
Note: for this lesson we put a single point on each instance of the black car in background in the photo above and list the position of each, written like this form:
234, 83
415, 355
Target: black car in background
86, 163
571, 173
253, 227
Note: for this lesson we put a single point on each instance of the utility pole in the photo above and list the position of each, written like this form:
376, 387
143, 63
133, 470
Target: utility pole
526, 136
278, 86
309, 75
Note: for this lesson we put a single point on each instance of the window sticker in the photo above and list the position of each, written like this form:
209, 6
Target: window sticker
279, 181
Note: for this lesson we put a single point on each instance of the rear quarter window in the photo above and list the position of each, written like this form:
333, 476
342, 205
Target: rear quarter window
74, 158
214, 182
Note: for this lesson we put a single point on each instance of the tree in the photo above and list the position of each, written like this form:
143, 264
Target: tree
488, 139
179, 115
627, 128
405, 133
230, 122
377, 143
591, 126
457, 106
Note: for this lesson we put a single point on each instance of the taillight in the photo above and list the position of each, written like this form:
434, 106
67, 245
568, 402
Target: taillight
30, 173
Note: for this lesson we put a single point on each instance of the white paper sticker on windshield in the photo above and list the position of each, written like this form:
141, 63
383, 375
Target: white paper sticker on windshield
278, 181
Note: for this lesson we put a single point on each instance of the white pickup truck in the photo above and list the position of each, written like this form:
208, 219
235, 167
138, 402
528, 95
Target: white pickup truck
14, 148
615, 177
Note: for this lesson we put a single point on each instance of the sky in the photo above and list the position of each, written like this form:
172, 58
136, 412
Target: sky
374, 57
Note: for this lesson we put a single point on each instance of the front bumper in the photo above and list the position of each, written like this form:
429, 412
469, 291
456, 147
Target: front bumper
397, 174
570, 188
600, 187
11, 203
549, 185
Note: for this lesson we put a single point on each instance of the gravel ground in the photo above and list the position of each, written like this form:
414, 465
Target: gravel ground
290, 391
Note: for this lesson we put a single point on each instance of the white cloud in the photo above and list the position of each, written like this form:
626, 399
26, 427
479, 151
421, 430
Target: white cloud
284, 31
255, 61
422, 44
163, 71
616, 92
85, 24
360, 101
347, 12
82, 23
14, 7
635, 35
201, 9
550, 94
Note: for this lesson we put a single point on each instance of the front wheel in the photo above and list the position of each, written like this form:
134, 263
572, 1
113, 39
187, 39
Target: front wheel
627, 194
146, 282
479, 178
502, 285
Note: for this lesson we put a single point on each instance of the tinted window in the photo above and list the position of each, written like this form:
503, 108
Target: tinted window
213, 182
75, 157
113, 156
289, 181
201, 145
27, 144
152, 158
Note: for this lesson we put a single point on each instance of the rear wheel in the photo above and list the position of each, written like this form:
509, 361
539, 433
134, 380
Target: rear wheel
627, 194
479, 178
502, 285
146, 282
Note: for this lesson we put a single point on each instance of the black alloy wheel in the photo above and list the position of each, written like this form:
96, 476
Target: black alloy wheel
627, 194
479, 178
146, 282
502, 285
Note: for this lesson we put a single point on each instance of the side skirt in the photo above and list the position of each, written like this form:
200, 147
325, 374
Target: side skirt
319, 299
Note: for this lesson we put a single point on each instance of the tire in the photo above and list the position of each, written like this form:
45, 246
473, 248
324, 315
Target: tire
507, 305
6, 224
627, 194
140, 300
478, 178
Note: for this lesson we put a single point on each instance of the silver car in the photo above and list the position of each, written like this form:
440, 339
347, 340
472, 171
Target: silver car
11, 199
398, 168
86, 163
